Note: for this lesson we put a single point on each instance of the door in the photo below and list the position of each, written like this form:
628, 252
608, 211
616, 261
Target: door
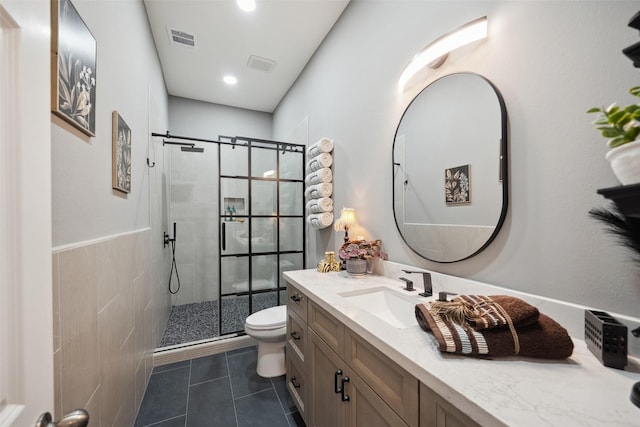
26, 329
327, 376
261, 215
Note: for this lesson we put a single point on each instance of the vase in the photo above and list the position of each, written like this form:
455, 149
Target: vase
625, 162
357, 266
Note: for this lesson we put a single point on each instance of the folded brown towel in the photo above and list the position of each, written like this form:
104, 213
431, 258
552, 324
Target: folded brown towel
484, 312
494, 326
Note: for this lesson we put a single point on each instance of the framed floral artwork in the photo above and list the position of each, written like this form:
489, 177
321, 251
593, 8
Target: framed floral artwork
121, 157
457, 185
73, 68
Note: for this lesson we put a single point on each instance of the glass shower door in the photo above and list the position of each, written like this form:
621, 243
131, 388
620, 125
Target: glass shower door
261, 227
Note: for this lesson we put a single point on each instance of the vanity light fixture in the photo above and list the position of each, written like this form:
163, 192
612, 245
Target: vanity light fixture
436, 52
345, 222
230, 80
246, 5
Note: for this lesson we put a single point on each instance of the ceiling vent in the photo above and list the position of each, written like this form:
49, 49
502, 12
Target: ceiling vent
182, 39
262, 64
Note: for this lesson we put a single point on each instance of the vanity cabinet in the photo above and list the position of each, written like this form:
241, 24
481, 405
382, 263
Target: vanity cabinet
339, 397
437, 412
348, 381
338, 379
296, 348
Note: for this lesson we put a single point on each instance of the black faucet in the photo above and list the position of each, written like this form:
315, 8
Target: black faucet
426, 278
409, 283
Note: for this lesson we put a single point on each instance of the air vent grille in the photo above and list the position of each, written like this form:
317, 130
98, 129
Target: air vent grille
181, 38
262, 64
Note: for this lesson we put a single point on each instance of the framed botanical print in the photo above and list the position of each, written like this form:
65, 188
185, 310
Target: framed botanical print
121, 155
457, 185
73, 68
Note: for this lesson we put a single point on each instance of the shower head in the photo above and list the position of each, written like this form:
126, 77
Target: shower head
192, 149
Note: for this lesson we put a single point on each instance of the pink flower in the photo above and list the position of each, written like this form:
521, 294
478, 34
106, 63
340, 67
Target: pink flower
362, 249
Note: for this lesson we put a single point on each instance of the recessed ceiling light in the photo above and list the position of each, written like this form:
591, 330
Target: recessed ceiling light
247, 5
230, 80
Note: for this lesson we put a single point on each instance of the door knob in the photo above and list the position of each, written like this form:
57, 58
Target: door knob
77, 418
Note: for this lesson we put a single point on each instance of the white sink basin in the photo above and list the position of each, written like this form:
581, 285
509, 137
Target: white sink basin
393, 307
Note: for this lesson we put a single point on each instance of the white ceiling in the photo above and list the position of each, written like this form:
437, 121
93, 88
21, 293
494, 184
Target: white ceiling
285, 31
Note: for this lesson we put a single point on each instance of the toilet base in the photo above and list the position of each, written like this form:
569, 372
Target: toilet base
271, 359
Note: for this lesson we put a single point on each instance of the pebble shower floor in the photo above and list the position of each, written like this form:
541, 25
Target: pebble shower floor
199, 321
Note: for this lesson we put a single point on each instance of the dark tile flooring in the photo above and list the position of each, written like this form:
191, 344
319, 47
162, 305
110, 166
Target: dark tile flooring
219, 390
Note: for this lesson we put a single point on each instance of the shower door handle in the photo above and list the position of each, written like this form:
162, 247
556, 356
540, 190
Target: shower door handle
224, 236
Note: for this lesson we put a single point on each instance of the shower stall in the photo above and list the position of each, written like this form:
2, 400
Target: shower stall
238, 208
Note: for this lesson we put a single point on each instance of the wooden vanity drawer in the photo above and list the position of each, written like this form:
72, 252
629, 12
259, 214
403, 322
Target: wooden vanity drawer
330, 329
296, 337
297, 301
394, 385
297, 385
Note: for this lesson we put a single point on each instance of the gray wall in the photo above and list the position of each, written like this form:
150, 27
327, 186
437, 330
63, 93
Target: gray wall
188, 117
551, 61
129, 80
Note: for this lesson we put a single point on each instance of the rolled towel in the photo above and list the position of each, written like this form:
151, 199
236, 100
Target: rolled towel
319, 176
319, 190
324, 160
325, 145
320, 220
323, 204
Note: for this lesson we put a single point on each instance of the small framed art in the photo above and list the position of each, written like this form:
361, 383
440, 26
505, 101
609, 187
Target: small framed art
121, 157
457, 185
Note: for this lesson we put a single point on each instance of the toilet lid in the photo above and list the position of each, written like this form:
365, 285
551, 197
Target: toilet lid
269, 318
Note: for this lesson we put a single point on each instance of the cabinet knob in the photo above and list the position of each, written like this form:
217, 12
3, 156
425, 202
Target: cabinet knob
296, 298
295, 335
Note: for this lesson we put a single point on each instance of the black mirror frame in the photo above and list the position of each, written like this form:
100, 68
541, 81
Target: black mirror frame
504, 169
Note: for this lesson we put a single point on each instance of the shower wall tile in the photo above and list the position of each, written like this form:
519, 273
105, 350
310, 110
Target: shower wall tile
110, 307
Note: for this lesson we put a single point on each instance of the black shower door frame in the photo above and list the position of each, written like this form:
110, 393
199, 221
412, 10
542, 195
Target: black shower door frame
223, 216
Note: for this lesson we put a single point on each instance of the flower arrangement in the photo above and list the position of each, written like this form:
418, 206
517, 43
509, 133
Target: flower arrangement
362, 249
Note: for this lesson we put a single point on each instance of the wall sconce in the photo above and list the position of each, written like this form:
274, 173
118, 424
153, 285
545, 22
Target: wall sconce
436, 52
345, 222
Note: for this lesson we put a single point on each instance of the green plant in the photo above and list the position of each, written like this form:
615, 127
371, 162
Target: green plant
619, 125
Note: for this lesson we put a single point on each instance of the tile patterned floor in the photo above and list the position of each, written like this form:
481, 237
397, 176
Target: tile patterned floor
219, 390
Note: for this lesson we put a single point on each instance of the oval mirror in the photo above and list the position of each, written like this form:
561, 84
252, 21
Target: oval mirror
450, 191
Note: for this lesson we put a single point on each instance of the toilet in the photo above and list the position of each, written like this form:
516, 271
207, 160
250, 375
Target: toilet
269, 328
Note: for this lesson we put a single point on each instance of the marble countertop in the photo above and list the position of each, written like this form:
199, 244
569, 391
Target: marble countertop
512, 391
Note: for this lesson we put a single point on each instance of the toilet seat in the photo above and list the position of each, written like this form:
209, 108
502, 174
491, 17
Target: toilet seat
268, 319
